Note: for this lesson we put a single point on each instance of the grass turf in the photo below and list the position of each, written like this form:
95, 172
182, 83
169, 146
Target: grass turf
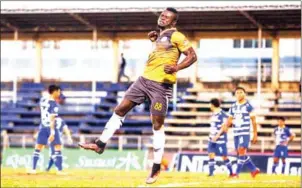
118, 178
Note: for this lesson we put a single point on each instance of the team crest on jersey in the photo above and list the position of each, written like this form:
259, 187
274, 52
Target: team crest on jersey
56, 109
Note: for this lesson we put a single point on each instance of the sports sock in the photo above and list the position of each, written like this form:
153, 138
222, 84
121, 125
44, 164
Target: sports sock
114, 123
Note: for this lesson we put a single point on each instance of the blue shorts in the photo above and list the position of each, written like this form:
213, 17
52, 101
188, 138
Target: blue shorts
242, 141
43, 135
218, 149
281, 151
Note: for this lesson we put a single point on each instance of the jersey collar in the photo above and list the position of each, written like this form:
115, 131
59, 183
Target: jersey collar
174, 28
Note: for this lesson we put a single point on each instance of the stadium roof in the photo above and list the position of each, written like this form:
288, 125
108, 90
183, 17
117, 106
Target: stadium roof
286, 17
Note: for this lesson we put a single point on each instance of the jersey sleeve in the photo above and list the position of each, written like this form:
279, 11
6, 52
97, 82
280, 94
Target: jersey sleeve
250, 108
287, 132
181, 42
53, 109
231, 113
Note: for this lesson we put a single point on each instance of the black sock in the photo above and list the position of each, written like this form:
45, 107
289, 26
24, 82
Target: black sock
100, 144
155, 168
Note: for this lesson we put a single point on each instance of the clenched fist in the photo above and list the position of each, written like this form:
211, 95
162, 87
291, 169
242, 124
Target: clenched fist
153, 35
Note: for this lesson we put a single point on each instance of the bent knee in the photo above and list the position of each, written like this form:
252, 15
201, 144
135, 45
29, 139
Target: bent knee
276, 160
211, 155
224, 158
39, 146
58, 147
241, 151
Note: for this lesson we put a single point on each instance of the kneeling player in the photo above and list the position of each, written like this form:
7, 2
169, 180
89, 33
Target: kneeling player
283, 137
218, 137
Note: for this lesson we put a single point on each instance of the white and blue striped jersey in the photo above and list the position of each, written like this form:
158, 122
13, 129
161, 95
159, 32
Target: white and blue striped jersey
48, 107
241, 118
282, 134
217, 119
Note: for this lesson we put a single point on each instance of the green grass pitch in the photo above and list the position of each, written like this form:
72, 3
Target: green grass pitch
118, 178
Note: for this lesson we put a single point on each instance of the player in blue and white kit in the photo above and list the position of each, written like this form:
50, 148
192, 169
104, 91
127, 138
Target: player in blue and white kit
47, 132
241, 116
283, 137
218, 137
63, 128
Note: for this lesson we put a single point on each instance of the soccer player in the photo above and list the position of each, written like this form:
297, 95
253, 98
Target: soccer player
155, 84
241, 116
283, 138
218, 137
47, 132
62, 127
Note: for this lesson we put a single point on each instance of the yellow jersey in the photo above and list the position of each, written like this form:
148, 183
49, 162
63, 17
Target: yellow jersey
168, 48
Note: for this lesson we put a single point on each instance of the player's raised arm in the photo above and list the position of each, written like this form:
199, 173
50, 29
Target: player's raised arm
185, 47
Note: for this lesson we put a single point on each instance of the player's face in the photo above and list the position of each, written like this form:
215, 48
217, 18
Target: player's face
240, 95
166, 19
57, 94
211, 107
280, 122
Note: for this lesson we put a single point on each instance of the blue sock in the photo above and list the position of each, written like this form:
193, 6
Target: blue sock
228, 164
50, 162
274, 167
211, 166
249, 163
36, 157
58, 160
240, 163
283, 168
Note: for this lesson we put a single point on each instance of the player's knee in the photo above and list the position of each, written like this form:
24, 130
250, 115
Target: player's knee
58, 147
283, 160
157, 122
157, 126
224, 158
241, 151
39, 146
211, 155
119, 111
276, 160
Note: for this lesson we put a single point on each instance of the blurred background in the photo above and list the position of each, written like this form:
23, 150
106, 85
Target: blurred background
256, 45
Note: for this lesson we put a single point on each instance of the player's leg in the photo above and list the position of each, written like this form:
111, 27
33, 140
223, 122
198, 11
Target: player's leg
51, 156
243, 158
283, 165
211, 153
275, 165
58, 158
36, 157
284, 156
248, 161
222, 148
158, 146
276, 159
133, 96
40, 143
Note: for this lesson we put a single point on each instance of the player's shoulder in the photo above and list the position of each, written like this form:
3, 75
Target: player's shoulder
247, 104
177, 35
224, 113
